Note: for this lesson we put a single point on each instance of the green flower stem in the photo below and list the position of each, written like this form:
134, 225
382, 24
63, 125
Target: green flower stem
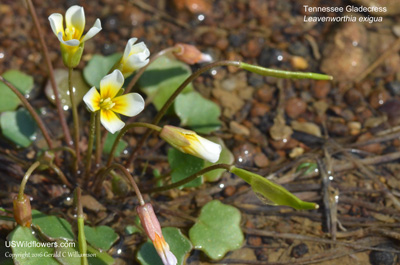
99, 148
126, 173
81, 228
171, 99
60, 111
141, 70
64, 148
189, 179
124, 130
282, 74
88, 159
74, 116
61, 175
25, 180
33, 113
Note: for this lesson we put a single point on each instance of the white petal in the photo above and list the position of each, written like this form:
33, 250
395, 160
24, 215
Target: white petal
75, 18
129, 104
110, 121
128, 47
72, 42
111, 84
92, 99
93, 30
168, 258
209, 150
56, 23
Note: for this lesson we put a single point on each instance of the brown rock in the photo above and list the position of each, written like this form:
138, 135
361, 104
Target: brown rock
229, 191
259, 109
254, 241
298, 62
237, 128
321, 89
378, 97
261, 160
295, 107
265, 94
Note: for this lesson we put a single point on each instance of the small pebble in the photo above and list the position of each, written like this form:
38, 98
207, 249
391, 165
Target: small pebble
299, 250
261, 160
254, 241
394, 88
237, 128
229, 191
270, 57
265, 94
378, 97
295, 107
353, 97
381, 258
354, 127
299, 63
321, 89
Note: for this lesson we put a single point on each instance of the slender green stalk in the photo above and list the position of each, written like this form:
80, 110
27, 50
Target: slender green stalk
99, 147
60, 110
283, 74
61, 175
143, 69
88, 159
171, 99
25, 179
189, 179
33, 113
74, 116
64, 148
81, 228
123, 131
126, 173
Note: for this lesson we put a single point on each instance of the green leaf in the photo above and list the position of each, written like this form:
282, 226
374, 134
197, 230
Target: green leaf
18, 126
37, 255
226, 157
162, 78
217, 230
198, 113
272, 193
98, 67
132, 229
96, 257
178, 244
184, 165
310, 167
109, 143
52, 227
79, 85
23, 82
102, 237
68, 255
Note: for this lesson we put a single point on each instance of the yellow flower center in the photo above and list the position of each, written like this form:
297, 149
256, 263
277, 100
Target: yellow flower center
106, 103
71, 33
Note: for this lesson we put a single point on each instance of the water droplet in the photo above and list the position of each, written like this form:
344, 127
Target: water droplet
1, 55
213, 72
27, 96
316, 170
200, 17
68, 198
119, 251
33, 232
337, 198
65, 107
32, 138
279, 58
330, 177
264, 199
125, 152
240, 159
284, 140
75, 215
30, 198
246, 152
355, 43
78, 172
221, 186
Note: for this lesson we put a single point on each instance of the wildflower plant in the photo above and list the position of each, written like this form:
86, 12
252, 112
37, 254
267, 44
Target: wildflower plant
105, 104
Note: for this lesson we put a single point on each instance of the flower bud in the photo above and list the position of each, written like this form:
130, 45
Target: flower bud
22, 211
190, 143
152, 228
190, 54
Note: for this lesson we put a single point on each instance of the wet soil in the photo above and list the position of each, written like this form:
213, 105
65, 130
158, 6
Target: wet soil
349, 127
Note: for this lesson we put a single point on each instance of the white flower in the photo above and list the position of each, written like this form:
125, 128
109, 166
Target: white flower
135, 57
109, 103
190, 143
71, 38
75, 24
